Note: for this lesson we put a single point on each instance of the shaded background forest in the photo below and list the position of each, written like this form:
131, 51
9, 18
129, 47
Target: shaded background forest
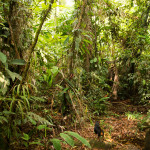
64, 63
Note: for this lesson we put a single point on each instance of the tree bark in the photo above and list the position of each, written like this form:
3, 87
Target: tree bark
115, 84
13, 39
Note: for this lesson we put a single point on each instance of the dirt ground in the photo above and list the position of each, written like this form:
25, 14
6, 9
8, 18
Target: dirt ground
121, 130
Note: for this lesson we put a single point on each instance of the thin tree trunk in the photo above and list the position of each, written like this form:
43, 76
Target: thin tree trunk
31, 48
115, 84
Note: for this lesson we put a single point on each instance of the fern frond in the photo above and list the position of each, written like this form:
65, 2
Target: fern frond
38, 118
26, 101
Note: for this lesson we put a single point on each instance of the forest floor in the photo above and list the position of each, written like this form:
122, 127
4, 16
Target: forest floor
120, 125
120, 128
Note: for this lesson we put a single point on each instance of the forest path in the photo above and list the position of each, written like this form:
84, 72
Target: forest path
120, 126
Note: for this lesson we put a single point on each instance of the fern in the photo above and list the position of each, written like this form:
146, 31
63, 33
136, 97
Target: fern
24, 90
37, 118
36, 99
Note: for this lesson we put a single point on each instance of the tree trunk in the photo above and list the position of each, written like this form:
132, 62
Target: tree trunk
115, 84
31, 48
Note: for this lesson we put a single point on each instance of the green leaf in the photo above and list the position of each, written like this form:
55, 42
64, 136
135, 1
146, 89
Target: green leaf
25, 144
18, 89
54, 70
91, 61
25, 137
54, 5
31, 120
144, 82
13, 75
18, 76
40, 127
104, 98
44, 6
26, 101
20, 107
66, 40
38, 143
68, 139
8, 112
3, 119
3, 58
95, 59
87, 41
56, 144
18, 62
76, 135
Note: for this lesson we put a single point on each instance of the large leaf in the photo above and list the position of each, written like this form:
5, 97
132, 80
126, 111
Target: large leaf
76, 135
13, 75
68, 139
18, 62
3, 58
56, 144
18, 76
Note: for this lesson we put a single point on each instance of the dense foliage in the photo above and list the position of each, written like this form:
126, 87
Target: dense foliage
73, 58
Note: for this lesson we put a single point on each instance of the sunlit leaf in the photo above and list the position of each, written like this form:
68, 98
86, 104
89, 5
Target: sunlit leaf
18, 62
76, 135
68, 139
25, 137
3, 58
40, 127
